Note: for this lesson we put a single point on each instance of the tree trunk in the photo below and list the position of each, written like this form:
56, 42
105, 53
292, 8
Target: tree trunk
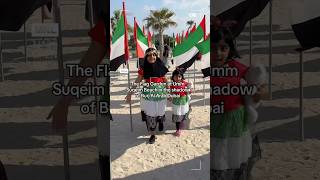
161, 44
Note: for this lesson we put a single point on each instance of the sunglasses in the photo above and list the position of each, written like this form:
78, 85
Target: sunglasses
151, 53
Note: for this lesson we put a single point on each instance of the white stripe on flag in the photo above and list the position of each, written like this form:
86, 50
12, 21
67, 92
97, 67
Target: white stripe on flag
205, 61
117, 49
185, 57
142, 45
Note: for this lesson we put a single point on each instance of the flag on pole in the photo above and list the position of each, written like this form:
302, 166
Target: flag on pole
204, 49
177, 40
240, 11
141, 40
305, 21
182, 36
187, 33
193, 28
119, 48
185, 54
150, 42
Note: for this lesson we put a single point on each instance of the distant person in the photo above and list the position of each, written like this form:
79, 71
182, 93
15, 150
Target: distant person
166, 53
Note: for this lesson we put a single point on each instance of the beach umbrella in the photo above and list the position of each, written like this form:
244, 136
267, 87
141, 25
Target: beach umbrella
13, 13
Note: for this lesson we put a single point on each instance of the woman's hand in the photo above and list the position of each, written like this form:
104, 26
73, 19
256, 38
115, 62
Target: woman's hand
59, 115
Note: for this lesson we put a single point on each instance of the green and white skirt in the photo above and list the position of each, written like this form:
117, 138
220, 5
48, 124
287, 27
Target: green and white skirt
231, 140
180, 108
153, 104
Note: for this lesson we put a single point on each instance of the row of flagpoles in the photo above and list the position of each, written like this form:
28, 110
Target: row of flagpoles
120, 47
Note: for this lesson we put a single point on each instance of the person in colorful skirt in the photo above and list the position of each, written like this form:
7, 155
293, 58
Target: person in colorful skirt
230, 136
153, 93
180, 91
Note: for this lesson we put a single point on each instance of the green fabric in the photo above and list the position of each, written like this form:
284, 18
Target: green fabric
229, 124
154, 92
120, 29
180, 100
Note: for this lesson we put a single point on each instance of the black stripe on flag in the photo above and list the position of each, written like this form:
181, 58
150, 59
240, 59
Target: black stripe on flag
206, 72
308, 33
189, 63
242, 13
116, 63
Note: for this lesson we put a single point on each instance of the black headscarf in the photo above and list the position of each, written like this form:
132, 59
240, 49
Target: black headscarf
156, 69
177, 72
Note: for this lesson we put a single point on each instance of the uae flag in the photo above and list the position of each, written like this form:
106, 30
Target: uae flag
305, 20
204, 49
150, 41
185, 54
141, 42
238, 10
177, 39
119, 47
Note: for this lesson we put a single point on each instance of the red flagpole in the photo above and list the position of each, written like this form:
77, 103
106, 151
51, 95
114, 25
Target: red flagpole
126, 45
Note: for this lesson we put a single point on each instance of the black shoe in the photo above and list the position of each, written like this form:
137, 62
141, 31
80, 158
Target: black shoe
160, 126
152, 139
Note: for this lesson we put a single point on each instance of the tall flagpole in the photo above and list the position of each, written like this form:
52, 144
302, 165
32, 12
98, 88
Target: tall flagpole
301, 97
194, 75
204, 92
270, 49
250, 52
57, 17
127, 59
1, 62
103, 126
25, 42
131, 123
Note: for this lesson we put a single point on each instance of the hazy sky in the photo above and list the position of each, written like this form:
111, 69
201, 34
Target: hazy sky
184, 10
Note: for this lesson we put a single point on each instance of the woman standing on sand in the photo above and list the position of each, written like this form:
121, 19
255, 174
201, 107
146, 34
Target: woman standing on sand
153, 95
230, 135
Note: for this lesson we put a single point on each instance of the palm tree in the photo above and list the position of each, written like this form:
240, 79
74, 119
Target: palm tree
159, 20
115, 18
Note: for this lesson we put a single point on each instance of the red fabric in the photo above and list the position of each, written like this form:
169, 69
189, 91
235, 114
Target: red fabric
97, 33
184, 89
155, 79
231, 102
140, 71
